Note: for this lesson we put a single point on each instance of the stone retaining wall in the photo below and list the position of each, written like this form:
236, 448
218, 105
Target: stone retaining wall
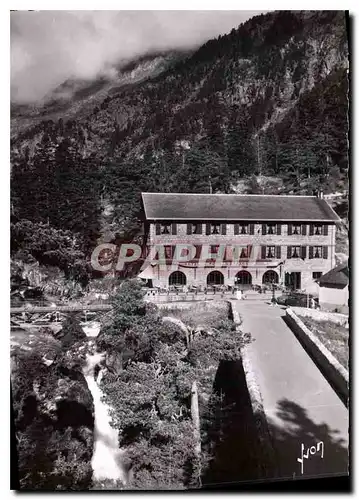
333, 371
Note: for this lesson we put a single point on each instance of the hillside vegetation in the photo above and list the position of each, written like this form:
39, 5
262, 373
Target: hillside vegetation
267, 100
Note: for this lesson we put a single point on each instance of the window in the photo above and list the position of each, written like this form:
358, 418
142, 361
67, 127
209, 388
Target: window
169, 251
295, 252
165, 228
244, 229
296, 229
196, 228
317, 252
244, 253
270, 252
215, 228
271, 228
318, 229
317, 275
214, 248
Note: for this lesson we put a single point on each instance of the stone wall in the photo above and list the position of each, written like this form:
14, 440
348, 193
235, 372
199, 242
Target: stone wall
334, 372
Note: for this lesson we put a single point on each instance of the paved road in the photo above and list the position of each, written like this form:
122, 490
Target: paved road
300, 405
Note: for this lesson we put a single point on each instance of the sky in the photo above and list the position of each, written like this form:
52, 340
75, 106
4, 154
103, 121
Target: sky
48, 47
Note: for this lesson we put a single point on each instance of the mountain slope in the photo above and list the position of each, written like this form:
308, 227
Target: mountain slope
268, 99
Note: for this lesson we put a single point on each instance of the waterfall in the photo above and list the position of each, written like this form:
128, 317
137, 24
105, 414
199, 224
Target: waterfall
107, 457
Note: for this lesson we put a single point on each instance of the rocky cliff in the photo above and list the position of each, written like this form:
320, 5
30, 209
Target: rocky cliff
53, 414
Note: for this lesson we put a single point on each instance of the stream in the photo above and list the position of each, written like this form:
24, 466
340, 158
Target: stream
107, 457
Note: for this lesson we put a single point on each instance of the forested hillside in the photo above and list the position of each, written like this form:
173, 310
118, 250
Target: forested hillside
267, 100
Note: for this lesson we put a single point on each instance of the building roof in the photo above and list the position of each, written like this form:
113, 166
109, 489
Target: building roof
336, 277
251, 207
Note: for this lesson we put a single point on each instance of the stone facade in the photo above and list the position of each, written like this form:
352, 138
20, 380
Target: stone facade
196, 273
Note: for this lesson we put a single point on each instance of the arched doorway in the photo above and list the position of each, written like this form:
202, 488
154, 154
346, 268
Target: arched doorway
177, 278
215, 278
243, 278
270, 277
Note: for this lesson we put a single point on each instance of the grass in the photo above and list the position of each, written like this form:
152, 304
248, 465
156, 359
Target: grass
199, 314
334, 337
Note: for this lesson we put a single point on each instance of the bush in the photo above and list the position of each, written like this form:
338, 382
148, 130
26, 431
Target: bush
151, 395
72, 331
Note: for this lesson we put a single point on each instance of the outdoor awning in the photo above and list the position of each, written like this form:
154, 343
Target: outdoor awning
146, 274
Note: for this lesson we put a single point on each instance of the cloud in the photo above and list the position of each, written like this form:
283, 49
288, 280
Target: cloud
49, 47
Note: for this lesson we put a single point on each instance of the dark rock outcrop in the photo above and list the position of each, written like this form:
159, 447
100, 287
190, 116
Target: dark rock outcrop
54, 421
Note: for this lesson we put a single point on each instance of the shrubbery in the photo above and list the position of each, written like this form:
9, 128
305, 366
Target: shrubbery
151, 395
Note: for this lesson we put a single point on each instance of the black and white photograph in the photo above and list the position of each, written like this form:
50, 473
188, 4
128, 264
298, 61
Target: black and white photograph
179, 249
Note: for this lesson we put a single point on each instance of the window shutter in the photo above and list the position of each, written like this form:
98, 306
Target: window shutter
251, 228
198, 251
278, 252
310, 252
158, 229
289, 229
249, 251
236, 228
279, 228
227, 254
289, 252
311, 230
325, 252
263, 252
304, 229
325, 230
304, 252
173, 249
208, 229
189, 228
264, 229
199, 228
174, 228
224, 229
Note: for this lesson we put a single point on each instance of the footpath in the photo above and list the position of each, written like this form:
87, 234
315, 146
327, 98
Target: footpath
301, 407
